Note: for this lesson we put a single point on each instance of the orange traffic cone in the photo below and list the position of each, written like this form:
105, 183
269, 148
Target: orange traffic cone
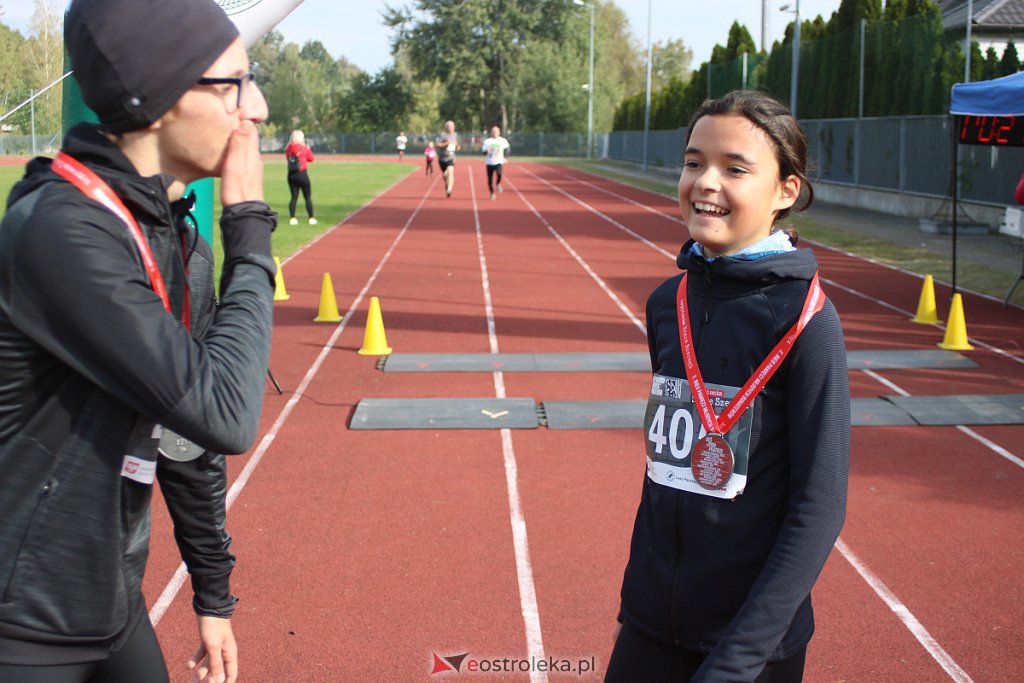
328, 305
375, 342
956, 329
280, 293
926, 310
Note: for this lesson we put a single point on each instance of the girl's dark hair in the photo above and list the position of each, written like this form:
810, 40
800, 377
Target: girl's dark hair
781, 127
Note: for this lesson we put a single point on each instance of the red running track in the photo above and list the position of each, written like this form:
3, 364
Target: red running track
362, 553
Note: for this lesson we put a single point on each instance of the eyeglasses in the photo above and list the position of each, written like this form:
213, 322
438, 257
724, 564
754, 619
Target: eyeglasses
237, 82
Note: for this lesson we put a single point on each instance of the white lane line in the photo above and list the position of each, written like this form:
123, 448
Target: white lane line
622, 197
162, 603
524, 570
881, 380
583, 264
346, 219
609, 219
904, 614
908, 315
915, 627
991, 444
994, 447
976, 342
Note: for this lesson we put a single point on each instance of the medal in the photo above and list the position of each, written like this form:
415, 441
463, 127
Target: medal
712, 461
178, 448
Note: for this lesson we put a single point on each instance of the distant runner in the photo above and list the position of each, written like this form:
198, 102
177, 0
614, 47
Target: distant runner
447, 145
400, 143
495, 149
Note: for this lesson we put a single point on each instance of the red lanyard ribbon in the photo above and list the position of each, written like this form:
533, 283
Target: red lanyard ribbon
92, 186
814, 302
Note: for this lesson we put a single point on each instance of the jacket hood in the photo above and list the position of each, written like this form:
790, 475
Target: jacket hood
88, 145
791, 265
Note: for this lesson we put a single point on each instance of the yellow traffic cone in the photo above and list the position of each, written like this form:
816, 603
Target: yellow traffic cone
926, 311
328, 305
375, 342
956, 329
280, 293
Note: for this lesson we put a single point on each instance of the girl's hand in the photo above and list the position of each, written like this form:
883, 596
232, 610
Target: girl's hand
216, 659
242, 175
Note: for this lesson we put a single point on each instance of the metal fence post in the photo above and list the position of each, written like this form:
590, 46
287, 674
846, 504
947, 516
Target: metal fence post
32, 100
857, 138
903, 153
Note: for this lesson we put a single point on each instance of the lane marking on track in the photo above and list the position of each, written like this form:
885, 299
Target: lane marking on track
524, 570
915, 627
162, 603
896, 309
609, 219
908, 315
901, 611
996, 448
612, 193
991, 444
583, 264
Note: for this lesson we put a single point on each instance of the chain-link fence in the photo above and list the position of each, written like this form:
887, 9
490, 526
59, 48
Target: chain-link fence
907, 154
40, 143
522, 144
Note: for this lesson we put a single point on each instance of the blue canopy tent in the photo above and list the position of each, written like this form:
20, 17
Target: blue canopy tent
986, 113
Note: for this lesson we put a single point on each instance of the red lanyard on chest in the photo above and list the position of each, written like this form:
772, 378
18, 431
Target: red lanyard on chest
96, 189
715, 424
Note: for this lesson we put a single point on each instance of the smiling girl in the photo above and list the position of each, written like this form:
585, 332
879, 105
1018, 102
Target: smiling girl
747, 427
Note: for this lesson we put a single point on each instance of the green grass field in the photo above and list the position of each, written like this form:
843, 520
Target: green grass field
339, 188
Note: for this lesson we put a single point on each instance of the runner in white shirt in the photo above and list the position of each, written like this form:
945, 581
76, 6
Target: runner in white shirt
400, 143
495, 148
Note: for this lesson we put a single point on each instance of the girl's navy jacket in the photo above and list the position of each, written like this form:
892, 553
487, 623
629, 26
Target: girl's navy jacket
733, 578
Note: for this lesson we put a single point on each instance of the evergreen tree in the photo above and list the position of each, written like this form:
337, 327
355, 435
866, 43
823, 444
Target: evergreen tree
1010, 63
977, 63
13, 85
991, 69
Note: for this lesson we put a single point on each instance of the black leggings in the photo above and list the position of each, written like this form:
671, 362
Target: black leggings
139, 660
639, 657
299, 180
491, 172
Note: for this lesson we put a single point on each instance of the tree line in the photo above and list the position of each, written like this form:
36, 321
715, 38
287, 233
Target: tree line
518, 64
28, 65
910, 65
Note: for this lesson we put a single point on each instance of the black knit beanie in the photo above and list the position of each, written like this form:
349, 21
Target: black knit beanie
133, 59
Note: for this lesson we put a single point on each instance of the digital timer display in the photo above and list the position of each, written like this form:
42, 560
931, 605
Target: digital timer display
1000, 131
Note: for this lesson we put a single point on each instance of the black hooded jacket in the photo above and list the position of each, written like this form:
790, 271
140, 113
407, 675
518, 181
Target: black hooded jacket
90, 363
733, 578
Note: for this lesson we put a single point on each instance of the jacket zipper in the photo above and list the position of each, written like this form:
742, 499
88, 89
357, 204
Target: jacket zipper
707, 296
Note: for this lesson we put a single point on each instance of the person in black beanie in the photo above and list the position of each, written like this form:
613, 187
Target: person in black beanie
109, 337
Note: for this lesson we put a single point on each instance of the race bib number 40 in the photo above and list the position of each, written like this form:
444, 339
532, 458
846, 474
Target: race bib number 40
672, 427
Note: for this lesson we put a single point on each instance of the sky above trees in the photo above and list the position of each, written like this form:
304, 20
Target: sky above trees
354, 30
